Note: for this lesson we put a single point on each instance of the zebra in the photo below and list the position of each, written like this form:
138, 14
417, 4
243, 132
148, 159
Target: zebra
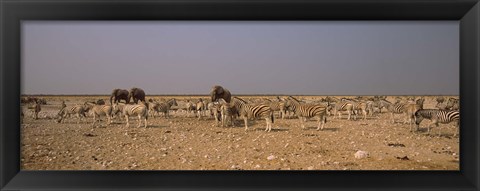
215, 111
36, 108
227, 110
190, 107
128, 110
306, 111
362, 107
277, 106
152, 108
98, 111
411, 108
253, 111
164, 107
200, 108
343, 106
398, 108
437, 116
66, 111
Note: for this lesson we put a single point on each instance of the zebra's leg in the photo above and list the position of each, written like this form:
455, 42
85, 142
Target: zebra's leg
392, 117
301, 122
438, 129
406, 118
224, 117
139, 121
318, 125
110, 120
78, 120
94, 120
126, 118
321, 119
246, 122
232, 120
145, 120
269, 124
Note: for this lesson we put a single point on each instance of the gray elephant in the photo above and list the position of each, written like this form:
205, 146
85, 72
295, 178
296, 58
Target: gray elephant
119, 94
137, 94
220, 92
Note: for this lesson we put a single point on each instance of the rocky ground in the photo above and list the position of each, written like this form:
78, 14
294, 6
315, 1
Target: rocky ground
185, 143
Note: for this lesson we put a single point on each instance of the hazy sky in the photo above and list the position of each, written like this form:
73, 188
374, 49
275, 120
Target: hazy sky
246, 57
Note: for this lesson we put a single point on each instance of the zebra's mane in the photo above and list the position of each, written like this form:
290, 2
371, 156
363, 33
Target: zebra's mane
386, 101
291, 97
235, 97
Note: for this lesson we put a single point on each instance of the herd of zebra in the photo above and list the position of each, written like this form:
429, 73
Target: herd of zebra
225, 108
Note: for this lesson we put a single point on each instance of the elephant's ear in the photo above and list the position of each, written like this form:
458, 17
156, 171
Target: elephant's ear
219, 90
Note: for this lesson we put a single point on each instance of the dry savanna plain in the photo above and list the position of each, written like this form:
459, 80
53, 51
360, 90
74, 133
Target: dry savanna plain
184, 142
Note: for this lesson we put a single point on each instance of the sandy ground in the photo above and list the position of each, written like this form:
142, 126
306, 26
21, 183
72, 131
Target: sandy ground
185, 143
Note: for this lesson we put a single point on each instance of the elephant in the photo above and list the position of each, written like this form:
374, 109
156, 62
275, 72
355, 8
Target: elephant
137, 94
220, 92
119, 94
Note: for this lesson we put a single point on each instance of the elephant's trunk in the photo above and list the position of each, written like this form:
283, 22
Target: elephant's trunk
128, 97
214, 96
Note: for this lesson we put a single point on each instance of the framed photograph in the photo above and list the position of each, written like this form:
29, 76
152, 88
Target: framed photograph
239, 95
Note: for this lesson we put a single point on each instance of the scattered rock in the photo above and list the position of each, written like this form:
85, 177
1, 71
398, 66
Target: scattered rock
403, 158
396, 145
271, 157
361, 154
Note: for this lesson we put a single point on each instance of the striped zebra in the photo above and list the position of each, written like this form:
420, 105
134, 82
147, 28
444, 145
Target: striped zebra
140, 110
344, 106
78, 110
307, 111
35, 108
411, 108
215, 111
228, 111
437, 116
199, 106
190, 107
398, 108
253, 111
164, 107
277, 106
362, 107
98, 111
152, 108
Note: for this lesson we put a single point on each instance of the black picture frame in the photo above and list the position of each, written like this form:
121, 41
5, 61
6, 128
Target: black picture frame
14, 11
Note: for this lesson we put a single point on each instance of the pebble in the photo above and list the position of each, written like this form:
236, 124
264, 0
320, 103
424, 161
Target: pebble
271, 157
361, 154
